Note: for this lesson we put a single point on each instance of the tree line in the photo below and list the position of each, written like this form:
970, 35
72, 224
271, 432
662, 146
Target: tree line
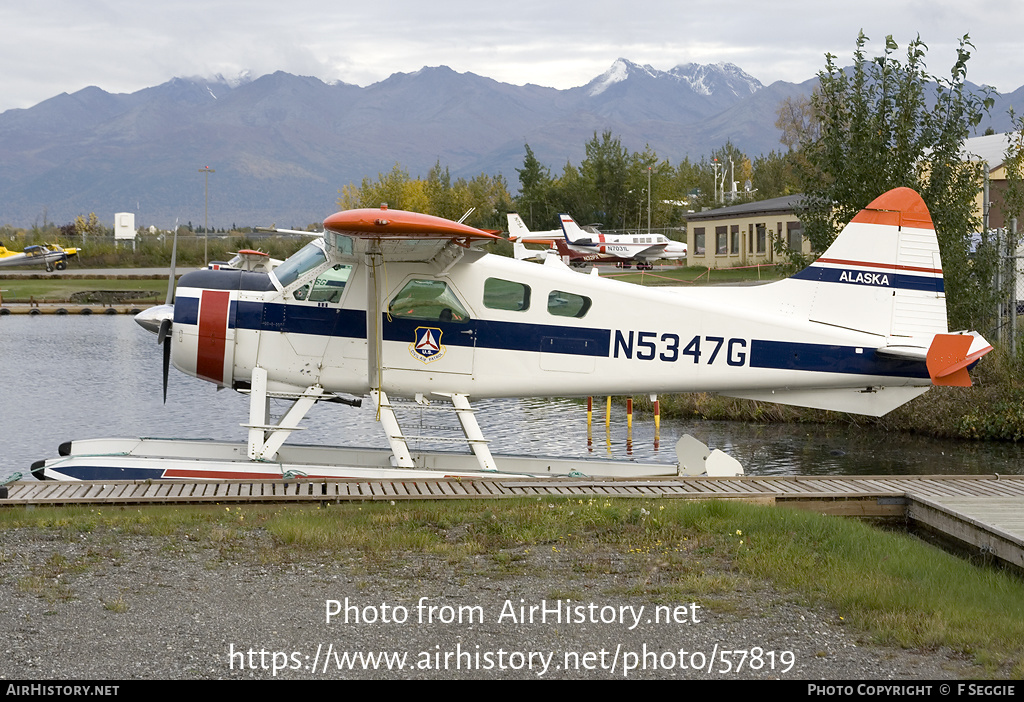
609, 187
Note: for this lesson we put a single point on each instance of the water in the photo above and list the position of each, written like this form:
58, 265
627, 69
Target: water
72, 377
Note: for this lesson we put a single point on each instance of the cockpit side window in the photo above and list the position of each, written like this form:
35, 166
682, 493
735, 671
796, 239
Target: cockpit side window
298, 264
328, 286
430, 300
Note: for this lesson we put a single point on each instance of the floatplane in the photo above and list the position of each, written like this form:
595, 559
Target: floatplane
390, 304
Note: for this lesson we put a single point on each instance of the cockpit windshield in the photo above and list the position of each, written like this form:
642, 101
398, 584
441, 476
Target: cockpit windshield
301, 262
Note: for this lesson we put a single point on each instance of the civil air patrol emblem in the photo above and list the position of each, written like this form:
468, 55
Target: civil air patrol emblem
427, 346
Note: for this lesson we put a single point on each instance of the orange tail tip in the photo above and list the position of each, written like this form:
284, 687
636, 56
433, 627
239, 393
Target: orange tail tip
900, 207
951, 354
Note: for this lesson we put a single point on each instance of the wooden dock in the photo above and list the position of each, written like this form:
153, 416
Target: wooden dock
982, 512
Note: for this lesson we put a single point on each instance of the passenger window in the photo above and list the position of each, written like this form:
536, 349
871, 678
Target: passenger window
431, 300
506, 295
564, 304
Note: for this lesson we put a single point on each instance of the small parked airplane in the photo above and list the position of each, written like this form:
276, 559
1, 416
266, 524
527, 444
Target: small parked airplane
248, 260
394, 304
50, 255
623, 249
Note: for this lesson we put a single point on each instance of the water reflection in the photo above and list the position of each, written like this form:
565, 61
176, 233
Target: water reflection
83, 377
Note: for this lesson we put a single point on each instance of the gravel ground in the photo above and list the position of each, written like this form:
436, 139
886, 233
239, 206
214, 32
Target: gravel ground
103, 606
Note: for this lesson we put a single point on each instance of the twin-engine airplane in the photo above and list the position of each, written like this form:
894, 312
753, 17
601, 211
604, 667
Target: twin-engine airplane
591, 246
50, 255
394, 304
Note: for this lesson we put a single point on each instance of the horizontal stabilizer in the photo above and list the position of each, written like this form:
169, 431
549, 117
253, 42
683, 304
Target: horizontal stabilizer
903, 352
950, 355
874, 402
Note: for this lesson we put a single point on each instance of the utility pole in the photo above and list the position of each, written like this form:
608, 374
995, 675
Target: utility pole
715, 163
648, 199
206, 218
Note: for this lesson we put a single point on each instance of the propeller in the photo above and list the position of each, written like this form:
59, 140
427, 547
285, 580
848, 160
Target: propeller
160, 319
163, 337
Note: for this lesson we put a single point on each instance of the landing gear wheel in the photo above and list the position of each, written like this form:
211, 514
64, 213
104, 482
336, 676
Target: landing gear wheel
61, 265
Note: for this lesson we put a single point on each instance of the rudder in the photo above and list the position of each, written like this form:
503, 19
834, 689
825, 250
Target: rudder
883, 273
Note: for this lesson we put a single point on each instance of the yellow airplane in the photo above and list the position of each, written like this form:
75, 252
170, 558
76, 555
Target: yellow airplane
51, 255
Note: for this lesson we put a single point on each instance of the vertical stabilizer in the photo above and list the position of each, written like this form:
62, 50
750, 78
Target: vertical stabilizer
516, 227
883, 273
573, 232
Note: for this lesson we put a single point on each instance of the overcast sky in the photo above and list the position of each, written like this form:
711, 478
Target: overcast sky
55, 46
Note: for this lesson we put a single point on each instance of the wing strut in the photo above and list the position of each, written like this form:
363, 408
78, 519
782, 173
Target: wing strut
399, 447
265, 438
399, 441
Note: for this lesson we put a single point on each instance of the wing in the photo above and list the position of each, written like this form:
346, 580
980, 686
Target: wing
395, 234
651, 251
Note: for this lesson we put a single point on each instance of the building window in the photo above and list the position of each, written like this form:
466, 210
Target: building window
734, 243
795, 236
721, 240
762, 238
698, 241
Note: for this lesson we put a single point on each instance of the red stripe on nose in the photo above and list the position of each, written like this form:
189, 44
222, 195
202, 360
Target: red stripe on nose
213, 332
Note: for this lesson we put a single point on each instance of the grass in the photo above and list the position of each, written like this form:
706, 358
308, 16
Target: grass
151, 252
890, 586
60, 289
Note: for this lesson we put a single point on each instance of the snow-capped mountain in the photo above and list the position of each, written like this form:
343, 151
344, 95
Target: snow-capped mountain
284, 145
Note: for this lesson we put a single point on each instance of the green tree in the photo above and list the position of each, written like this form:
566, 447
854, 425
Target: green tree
797, 122
435, 195
571, 195
535, 192
605, 170
89, 226
885, 124
775, 175
387, 188
646, 169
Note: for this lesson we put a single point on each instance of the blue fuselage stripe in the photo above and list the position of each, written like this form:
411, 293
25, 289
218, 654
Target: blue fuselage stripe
548, 338
824, 358
507, 336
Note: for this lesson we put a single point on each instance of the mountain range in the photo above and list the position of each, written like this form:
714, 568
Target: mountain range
282, 146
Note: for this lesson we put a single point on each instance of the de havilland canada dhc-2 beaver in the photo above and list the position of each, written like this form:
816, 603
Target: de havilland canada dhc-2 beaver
390, 304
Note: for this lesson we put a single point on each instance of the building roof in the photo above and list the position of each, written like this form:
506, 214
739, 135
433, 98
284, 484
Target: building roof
991, 149
776, 205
